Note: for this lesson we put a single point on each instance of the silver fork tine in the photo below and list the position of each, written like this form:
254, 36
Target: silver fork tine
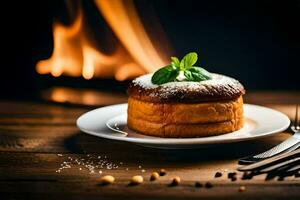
296, 122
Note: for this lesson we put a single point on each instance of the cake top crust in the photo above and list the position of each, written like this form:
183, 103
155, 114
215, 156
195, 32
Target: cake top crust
219, 88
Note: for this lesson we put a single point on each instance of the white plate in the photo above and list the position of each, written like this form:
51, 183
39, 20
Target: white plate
110, 122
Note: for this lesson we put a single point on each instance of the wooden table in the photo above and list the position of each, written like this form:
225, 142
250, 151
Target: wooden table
36, 138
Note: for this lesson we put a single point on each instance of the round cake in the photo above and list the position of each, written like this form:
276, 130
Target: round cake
185, 109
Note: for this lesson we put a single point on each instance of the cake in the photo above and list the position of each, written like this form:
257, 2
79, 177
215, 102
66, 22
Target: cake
183, 109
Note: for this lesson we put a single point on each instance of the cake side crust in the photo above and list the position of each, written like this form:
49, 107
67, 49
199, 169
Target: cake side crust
185, 120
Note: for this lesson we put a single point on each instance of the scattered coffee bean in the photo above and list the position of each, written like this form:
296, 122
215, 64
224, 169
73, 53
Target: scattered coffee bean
136, 180
108, 179
231, 174
247, 176
208, 185
242, 188
198, 184
218, 174
281, 178
162, 172
154, 176
175, 181
297, 175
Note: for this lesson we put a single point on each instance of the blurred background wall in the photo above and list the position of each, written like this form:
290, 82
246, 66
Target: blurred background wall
257, 42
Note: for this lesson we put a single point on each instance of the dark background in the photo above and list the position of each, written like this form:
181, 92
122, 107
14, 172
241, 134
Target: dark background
257, 42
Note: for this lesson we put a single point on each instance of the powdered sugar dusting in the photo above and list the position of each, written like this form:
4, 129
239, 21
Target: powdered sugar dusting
217, 79
188, 89
144, 81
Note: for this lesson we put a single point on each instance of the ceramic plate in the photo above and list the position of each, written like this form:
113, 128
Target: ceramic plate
111, 122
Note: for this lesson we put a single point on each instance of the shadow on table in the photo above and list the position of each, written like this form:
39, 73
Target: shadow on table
82, 143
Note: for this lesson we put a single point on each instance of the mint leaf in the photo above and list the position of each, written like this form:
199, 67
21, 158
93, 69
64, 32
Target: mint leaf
197, 74
175, 61
186, 65
189, 60
202, 71
165, 75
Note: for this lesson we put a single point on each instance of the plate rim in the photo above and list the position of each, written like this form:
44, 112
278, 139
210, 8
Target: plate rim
181, 141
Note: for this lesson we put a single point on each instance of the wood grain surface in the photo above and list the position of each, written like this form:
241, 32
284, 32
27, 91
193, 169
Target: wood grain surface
36, 138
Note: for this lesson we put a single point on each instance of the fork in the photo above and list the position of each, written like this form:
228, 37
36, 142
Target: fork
288, 145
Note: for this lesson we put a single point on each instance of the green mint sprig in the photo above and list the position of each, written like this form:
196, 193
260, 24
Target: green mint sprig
170, 72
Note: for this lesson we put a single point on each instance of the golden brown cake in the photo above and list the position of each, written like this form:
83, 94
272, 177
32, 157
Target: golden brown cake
185, 109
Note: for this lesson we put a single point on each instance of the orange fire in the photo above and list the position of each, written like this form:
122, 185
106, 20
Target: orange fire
75, 55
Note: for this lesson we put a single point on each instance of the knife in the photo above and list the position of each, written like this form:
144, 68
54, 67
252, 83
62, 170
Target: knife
270, 161
288, 145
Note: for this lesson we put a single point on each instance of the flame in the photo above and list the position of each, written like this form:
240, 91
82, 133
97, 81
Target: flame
75, 55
